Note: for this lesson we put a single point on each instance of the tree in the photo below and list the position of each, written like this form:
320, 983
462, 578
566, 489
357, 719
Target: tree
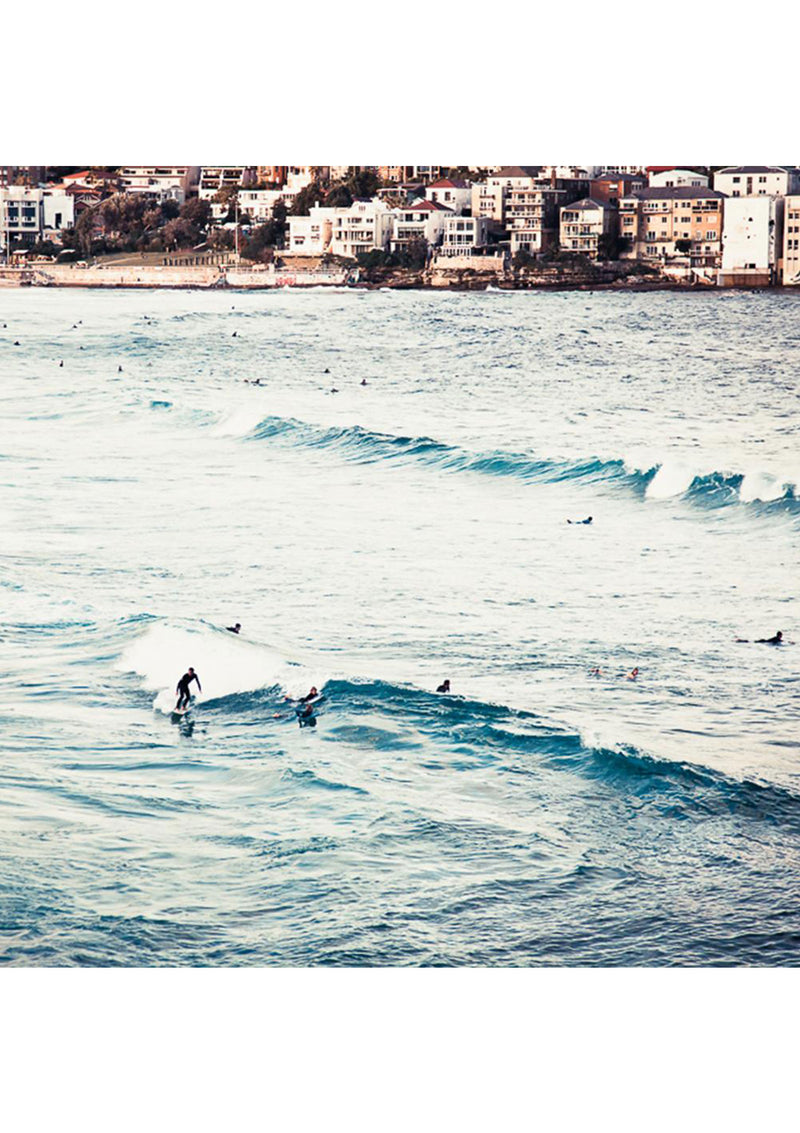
683, 246
523, 259
180, 233
309, 196
608, 246
197, 212
339, 196
363, 183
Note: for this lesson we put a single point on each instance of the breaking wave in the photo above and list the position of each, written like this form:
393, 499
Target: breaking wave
657, 481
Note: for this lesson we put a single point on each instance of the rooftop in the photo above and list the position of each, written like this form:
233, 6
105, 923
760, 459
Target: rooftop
683, 192
585, 205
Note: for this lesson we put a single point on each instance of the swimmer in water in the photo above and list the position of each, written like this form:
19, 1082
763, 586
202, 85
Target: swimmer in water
776, 640
580, 522
632, 675
234, 628
596, 673
363, 381
444, 687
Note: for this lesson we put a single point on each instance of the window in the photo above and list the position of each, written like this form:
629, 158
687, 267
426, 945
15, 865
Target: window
762, 180
736, 180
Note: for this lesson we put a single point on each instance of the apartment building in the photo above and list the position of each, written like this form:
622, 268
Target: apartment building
757, 181
216, 177
583, 223
611, 187
257, 204
160, 181
28, 215
670, 223
752, 241
455, 195
360, 228
531, 212
463, 235
676, 179
421, 220
311, 235
790, 274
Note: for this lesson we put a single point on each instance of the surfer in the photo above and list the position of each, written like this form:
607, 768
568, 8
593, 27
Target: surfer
182, 688
444, 686
632, 675
234, 628
363, 381
776, 640
595, 672
309, 695
580, 522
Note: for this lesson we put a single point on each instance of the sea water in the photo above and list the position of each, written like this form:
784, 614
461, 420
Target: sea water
374, 541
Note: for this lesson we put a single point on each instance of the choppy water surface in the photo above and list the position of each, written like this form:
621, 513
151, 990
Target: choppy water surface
373, 542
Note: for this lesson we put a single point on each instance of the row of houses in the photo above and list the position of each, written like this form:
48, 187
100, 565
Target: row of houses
738, 225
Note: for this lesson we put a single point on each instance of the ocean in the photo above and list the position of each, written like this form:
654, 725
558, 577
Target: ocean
373, 542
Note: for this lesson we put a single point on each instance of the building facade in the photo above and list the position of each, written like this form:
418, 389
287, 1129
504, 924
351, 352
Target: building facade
790, 274
455, 195
583, 224
29, 215
419, 221
752, 241
464, 235
757, 181
668, 224
612, 187
676, 179
311, 235
360, 228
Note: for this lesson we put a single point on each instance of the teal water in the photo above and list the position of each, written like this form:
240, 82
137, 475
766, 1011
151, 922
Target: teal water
372, 542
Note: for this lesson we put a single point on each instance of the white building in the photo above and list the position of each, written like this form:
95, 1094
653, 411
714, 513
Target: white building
28, 215
455, 195
421, 220
216, 177
311, 235
463, 235
757, 181
752, 241
582, 224
791, 241
360, 228
677, 179
159, 181
257, 204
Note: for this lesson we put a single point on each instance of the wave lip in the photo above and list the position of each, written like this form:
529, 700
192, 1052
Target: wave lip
654, 480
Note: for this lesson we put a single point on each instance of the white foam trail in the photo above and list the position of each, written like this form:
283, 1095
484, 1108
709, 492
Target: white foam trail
225, 664
670, 480
761, 486
240, 422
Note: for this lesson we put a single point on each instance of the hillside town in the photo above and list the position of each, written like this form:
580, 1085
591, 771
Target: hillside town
727, 226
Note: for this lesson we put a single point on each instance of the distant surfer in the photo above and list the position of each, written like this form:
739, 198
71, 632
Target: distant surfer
580, 522
363, 381
182, 688
776, 640
444, 686
633, 674
312, 692
595, 672
234, 628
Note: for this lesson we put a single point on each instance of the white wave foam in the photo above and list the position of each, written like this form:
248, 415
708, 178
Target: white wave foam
240, 422
672, 479
225, 664
762, 486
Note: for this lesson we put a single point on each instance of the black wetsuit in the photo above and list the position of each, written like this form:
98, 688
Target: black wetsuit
232, 629
184, 695
444, 688
776, 640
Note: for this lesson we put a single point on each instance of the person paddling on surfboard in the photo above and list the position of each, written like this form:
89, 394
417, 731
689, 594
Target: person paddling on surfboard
182, 688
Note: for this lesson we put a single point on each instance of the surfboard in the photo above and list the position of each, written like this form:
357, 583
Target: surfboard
179, 713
